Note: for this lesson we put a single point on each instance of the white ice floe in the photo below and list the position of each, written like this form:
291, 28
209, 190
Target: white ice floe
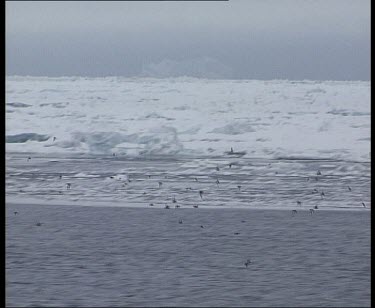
188, 116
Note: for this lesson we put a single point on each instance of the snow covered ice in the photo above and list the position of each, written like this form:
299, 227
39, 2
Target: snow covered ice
188, 116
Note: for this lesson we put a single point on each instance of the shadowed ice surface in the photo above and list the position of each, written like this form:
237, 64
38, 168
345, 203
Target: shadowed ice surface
118, 256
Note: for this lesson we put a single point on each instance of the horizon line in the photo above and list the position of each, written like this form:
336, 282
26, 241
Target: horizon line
187, 77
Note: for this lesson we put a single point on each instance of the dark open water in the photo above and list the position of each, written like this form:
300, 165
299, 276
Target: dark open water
102, 256
118, 256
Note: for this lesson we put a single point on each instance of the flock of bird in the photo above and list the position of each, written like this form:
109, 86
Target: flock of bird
201, 194
217, 168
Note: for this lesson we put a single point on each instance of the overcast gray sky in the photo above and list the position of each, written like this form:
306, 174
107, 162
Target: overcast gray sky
238, 39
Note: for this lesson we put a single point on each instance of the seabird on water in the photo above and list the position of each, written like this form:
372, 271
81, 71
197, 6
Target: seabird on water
201, 193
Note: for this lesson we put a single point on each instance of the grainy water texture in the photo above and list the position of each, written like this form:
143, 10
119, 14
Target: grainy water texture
116, 256
187, 192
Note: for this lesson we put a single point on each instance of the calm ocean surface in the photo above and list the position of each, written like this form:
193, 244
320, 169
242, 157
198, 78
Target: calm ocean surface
118, 256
